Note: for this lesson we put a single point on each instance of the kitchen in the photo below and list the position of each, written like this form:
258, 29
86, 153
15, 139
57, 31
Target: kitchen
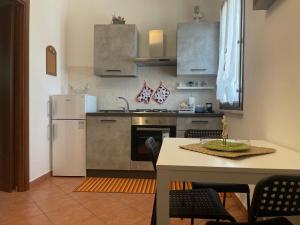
117, 81
112, 134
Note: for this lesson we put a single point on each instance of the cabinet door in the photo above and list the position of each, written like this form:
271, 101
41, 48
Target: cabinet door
108, 143
68, 148
198, 48
115, 49
199, 123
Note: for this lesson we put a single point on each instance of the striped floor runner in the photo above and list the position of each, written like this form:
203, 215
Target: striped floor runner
124, 185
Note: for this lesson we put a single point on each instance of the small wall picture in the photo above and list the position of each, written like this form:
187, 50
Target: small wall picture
51, 61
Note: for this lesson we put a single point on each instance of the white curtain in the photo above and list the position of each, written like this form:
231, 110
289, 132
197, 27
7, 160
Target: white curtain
230, 49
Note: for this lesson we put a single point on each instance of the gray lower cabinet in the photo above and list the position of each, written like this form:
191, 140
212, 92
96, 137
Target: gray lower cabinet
198, 48
108, 143
141, 166
197, 123
115, 48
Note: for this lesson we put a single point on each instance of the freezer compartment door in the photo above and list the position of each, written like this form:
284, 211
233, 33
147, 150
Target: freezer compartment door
69, 147
68, 107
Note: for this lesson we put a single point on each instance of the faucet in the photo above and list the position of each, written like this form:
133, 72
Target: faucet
127, 104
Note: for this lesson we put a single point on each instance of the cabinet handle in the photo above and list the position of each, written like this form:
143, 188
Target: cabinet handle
114, 71
200, 121
108, 121
195, 70
154, 129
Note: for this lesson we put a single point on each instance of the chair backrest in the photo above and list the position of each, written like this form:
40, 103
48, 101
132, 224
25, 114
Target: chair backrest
154, 148
276, 196
205, 134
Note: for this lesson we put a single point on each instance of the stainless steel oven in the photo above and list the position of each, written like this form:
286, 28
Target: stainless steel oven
145, 127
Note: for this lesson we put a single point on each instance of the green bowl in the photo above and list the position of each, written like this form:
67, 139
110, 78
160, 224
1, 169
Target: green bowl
229, 147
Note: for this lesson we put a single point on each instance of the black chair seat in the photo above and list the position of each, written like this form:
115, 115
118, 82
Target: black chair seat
224, 188
220, 187
275, 221
202, 203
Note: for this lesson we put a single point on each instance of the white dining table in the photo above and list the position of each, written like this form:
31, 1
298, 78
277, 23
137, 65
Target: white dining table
176, 164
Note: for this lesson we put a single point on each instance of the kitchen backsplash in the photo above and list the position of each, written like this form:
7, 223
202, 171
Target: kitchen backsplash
107, 89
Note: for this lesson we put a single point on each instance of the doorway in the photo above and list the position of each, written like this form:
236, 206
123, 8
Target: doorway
14, 95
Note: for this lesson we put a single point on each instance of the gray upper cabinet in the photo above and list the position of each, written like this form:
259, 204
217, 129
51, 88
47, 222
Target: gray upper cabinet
198, 48
115, 48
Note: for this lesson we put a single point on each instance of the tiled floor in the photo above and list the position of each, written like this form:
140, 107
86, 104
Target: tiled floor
53, 202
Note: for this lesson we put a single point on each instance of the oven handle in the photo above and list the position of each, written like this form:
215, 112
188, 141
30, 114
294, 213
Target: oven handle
153, 129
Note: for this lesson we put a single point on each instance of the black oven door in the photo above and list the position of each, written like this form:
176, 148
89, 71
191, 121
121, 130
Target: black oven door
141, 133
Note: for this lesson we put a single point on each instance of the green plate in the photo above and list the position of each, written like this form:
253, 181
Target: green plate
229, 147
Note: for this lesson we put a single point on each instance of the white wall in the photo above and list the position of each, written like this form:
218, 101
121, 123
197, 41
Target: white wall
272, 76
147, 15
272, 95
47, 27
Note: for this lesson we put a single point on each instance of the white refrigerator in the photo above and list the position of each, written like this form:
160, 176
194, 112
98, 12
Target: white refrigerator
68, 133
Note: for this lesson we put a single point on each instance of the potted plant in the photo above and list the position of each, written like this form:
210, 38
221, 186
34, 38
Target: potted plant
118, 20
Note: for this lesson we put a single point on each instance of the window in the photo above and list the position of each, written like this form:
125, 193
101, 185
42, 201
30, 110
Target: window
230, 73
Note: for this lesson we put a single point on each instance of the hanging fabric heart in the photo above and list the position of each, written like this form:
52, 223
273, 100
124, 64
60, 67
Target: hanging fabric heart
145, 94
161, 94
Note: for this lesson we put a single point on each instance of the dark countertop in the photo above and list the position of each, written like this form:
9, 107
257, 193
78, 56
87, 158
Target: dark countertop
154, 114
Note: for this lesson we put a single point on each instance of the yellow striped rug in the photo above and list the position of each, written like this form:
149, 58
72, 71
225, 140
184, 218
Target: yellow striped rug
124, 185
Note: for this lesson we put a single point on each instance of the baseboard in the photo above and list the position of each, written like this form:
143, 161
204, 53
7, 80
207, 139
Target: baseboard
241, 205
121, 174
40, 179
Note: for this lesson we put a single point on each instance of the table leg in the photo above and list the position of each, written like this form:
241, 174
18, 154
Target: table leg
163, 206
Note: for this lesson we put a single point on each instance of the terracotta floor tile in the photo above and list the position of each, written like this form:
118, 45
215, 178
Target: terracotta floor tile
125, 216
24, 210
91, 221
85, 197
69, 216
42, 186
65, 180
47, 193
143, 205
53, 204
145, 221
14, 196
133, 199
175, 221
68, 187
105, 210
13, 202
36, 220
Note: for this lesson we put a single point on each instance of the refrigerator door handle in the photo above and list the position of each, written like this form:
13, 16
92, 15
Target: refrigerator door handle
53, 132
52, 108
49, 108
49, 132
